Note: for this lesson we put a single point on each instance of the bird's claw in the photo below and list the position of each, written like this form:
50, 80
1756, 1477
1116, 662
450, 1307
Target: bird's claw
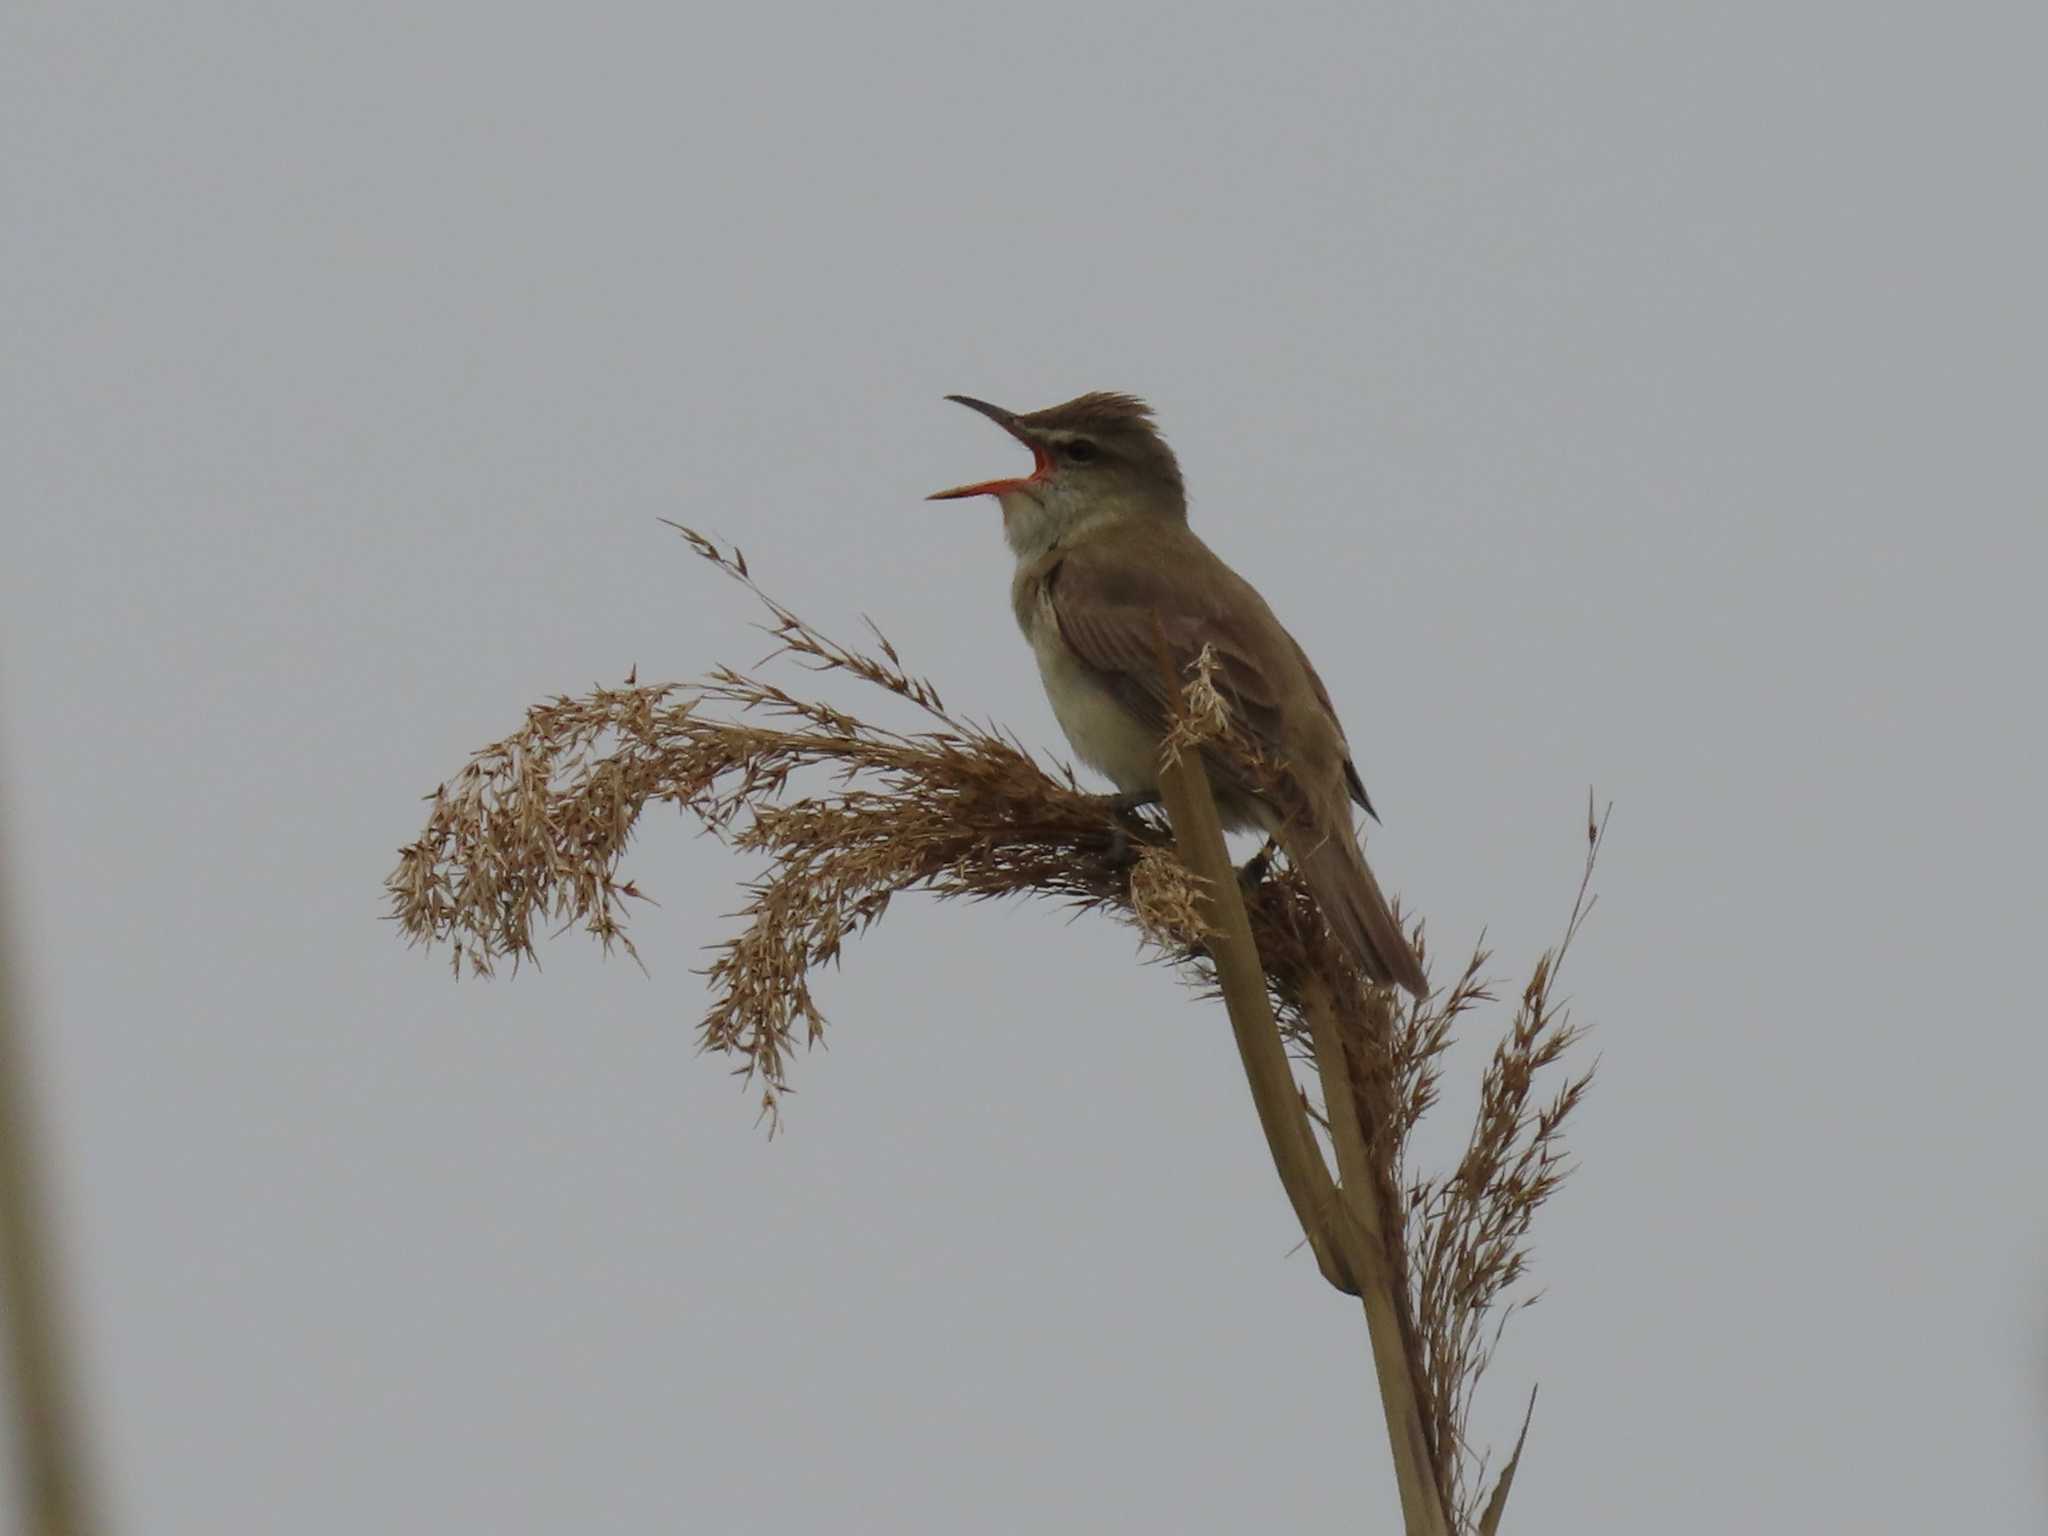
1124, 807
1253, 874
1127, 802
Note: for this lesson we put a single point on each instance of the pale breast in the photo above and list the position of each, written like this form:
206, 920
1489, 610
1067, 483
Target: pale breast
1103, 734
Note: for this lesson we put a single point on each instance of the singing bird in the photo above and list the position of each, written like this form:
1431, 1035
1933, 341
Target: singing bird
1113, 588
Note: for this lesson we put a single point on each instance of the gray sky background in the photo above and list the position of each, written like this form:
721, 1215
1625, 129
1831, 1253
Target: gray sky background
1642, 397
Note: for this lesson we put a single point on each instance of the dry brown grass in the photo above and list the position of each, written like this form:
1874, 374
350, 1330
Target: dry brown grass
846, 814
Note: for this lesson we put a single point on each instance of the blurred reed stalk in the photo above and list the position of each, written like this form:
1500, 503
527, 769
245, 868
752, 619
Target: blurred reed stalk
50, 1465
847, 813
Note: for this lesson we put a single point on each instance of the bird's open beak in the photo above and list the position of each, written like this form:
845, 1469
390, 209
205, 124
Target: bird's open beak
1007, 420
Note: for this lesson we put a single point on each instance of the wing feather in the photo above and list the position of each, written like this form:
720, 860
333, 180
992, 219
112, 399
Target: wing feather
1124, 620
1144, 643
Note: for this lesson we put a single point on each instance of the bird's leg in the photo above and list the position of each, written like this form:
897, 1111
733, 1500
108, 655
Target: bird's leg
1127, 802
1253, 874
1125, 808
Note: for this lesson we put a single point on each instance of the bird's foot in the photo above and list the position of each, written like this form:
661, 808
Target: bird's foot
1122, 850
1253, 873
1127, 802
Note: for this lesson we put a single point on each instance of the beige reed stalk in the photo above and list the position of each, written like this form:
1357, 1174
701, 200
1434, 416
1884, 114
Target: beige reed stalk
1340, 1220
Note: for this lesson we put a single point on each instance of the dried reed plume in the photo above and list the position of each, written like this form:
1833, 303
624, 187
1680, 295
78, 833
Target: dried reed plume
534, 831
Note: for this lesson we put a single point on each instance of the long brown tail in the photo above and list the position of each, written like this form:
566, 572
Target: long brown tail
1335, 868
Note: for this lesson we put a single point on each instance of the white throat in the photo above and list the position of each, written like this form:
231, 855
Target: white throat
1030, 526
1037, 520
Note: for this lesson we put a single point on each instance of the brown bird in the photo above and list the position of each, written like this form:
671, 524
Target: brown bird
1111, 583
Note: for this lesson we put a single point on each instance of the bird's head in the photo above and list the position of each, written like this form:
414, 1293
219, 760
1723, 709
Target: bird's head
1095, 457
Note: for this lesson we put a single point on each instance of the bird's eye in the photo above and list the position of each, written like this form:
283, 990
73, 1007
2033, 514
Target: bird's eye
1081, 451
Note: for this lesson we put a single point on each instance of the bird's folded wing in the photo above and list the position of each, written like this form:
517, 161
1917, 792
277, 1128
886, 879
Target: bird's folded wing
1118, 616
1143, 642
